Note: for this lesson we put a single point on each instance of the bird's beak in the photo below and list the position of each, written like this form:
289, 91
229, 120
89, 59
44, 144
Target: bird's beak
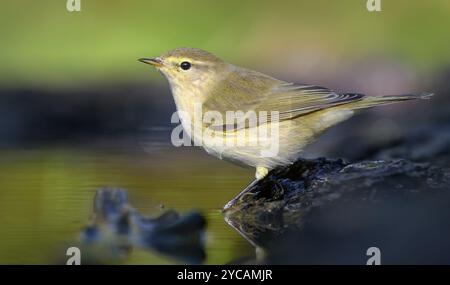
156, 62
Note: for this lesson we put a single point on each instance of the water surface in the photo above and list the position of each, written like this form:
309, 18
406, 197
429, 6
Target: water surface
47, 192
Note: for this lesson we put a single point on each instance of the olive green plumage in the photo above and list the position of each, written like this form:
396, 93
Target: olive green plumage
304, 111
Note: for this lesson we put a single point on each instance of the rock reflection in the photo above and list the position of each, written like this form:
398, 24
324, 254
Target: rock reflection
116, 228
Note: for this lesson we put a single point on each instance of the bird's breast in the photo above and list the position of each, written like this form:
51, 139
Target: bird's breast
189, 110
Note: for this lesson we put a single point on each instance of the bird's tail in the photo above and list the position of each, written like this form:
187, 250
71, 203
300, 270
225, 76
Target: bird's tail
372, 101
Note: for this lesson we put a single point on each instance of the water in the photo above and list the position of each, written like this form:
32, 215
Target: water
47, 192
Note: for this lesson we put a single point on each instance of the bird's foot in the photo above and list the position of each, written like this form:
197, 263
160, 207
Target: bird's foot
260, 173
239, 196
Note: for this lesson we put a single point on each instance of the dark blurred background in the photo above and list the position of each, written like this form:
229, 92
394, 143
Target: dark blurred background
78, 111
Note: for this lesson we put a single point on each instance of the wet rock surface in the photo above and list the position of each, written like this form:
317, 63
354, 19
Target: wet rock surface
311, 183
395, 196
116, 228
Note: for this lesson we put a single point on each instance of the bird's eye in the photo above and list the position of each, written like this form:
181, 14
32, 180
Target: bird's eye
185, 65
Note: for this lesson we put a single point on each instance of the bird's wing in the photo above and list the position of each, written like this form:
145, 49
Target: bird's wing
262, 93
294, 100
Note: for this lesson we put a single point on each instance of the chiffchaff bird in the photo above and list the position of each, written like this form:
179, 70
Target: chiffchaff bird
295, 113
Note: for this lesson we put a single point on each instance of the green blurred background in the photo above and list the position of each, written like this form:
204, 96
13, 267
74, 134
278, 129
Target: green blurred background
78, 112
45, 45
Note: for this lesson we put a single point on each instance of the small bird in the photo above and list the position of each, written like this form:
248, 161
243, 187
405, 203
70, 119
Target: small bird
297, 113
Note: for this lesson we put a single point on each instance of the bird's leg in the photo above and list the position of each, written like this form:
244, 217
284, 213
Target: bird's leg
239, 196
261, 172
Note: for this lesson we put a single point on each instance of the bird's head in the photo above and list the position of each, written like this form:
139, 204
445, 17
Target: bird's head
189, 67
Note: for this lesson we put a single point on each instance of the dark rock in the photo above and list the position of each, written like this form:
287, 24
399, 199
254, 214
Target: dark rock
298, 211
